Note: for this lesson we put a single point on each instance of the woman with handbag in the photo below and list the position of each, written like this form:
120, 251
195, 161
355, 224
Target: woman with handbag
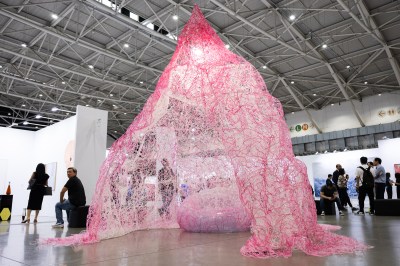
37, 192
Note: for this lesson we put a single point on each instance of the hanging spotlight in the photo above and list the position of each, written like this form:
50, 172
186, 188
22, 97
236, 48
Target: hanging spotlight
91, 66
54, 109
379, 94
292, 17
23, 105
227, 46
347, 67
23, 45
366, 82
25, 123
332, 104
292, 82
38, 116
324, 46
126, 45
54, 16
264, 67
63, 82
141, 82
111, 95
40, 95
175, 17
314, 94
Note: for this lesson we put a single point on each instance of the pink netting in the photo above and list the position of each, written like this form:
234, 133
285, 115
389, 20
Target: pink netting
210, 152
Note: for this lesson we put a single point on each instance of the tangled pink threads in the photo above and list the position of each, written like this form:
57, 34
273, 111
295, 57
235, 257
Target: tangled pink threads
212, 152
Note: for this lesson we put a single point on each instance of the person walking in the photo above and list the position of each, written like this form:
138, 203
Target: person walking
37, 192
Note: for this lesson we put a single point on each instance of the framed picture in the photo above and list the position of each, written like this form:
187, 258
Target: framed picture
397, 168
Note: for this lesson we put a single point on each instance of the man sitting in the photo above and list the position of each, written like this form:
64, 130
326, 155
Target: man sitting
329, 193
76, 196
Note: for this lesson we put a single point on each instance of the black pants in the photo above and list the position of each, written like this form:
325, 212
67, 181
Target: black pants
344, 196
389, 191
380, 190
362, 192
398, 191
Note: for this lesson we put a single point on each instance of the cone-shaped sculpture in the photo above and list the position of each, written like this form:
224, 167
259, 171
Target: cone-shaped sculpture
210, 142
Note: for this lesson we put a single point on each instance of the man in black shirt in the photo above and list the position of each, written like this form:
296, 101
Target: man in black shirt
336, 174
329, 193
76, 196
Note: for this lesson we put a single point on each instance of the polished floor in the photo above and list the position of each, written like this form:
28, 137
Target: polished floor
175, 247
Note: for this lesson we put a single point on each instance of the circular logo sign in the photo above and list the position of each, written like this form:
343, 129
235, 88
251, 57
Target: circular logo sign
298, 128
304, 127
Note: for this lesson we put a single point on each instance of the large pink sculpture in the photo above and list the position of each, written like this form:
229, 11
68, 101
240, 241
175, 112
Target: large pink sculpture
211, 142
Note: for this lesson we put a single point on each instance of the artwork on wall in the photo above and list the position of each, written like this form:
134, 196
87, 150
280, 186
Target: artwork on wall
51, 170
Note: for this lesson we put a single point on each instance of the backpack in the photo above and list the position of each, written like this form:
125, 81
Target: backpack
368, 179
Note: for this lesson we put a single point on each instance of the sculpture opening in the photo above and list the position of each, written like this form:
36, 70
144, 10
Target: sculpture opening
210, 152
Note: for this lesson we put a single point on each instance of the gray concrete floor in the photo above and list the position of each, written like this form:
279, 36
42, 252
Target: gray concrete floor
175, 247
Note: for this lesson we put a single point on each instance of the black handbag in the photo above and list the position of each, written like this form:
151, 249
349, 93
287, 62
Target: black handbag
48, 191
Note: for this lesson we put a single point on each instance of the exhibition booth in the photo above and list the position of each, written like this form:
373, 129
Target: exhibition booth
78, 141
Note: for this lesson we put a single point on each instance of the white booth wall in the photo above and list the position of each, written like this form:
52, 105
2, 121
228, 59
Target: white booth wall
21, 151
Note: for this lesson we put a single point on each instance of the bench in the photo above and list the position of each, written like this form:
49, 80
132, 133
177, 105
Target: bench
387, 207
77, 217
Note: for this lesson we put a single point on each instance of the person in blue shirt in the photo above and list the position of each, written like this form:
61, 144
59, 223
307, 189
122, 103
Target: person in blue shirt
380, 179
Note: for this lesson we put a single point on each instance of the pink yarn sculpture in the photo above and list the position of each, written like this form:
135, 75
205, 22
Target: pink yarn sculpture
212, 152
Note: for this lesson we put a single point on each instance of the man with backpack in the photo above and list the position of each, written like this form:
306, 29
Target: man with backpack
365, 186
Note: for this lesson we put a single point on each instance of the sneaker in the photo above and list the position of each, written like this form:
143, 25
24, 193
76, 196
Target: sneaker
371, 213
354, 209
360, 213
322, 213
341, 213
58, 225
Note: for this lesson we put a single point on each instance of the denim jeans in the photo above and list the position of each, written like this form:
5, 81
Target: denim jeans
67, 206
337, 200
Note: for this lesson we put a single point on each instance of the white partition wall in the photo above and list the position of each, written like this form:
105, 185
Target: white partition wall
90, 151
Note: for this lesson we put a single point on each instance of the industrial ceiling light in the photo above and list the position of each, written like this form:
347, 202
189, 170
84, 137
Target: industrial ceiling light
332, 104
91, 66
23, 45
1, 66
23, 105
63, 82
292, 17
40, 95
264, 67
314, 94
115, 131
324, 46
292, 82
379, 94
124, 113
227, 46
347, 66
54, 16
366, 82
141, 82
54, 109
25, 122
292, 113
111, 95
175, 17
87, 105
38, 116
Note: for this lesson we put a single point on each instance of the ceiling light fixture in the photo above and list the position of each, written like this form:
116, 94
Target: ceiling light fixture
347, 67
332, 104
40, 95
124, 113
314, 94
126, 45
23, 45
227, 46
175, 17
54, 109
63, 82
264, 67
292, 82
90, 66
1, 66
23, 105
292, 17
366, 82
54, 16
292, 113
111, 95
141, 82
25, 122
324, 46
115, 131
38, 116
379, 94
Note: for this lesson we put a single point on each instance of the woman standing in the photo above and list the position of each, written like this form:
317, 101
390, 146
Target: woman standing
37, 192
342, 189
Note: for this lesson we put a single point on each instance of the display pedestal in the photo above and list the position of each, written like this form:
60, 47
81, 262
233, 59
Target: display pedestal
5, 207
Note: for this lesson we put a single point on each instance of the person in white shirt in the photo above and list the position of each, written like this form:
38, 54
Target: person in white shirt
364, 187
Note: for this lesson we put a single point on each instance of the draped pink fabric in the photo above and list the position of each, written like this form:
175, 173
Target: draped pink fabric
210, 152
